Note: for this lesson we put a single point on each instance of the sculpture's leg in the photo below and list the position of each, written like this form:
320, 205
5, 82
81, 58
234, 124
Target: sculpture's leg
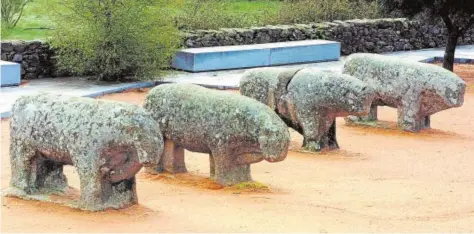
48, 175
212, 167
91, 187
99, 193
172, 160
20, 161
328, 128
311, 134
316, 132
332, 136
372, 114
120, 194
427, 122
227, 173
409, 118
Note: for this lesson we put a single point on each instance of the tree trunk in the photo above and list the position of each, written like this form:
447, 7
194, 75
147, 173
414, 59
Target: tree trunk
448, 62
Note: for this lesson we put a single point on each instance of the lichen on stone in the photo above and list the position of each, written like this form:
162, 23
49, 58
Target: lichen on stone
308, 100
235, 130
416, 89
106, 141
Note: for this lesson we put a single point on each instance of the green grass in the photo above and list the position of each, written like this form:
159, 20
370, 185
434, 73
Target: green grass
251, 7
35, 16
35, 23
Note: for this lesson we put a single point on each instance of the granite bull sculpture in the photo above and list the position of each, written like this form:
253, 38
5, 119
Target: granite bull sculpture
235, 131
107, 142
416, 89
308, 100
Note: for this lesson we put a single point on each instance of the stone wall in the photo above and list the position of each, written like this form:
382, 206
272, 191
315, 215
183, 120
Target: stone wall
36, 58
377, 36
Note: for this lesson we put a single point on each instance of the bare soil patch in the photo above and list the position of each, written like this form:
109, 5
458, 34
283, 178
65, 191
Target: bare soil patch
382, 180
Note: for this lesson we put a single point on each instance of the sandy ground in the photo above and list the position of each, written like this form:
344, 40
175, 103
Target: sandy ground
381, 180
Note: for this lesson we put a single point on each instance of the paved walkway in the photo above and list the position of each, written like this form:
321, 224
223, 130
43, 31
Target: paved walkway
218, 79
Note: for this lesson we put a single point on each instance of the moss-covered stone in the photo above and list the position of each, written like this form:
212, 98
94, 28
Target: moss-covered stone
416, 89
308, 100
106, 141
235, 130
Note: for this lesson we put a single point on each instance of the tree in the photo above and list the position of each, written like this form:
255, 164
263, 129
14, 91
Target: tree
12, 10
457, 15
113, 39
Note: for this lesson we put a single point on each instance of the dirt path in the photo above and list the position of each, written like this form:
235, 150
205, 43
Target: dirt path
380, 180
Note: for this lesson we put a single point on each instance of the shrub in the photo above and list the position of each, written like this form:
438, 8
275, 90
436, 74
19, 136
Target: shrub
307, 11
113, 39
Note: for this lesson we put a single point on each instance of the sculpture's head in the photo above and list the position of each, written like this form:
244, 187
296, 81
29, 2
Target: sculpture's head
268, 137
444, 89
274, 142
146, 137
355, 96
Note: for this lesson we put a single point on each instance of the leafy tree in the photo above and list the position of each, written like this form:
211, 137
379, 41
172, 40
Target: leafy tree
113, 39
457, 15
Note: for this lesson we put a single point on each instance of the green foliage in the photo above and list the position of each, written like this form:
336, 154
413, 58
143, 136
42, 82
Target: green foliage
307, 11
11, 12
215, 14
113, 39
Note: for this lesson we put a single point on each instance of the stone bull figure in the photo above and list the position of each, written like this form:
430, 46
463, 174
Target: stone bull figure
416, 89
235, 131
106, 141
308, 100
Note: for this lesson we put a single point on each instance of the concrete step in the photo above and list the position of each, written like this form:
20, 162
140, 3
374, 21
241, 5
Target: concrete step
10, 73
258, 55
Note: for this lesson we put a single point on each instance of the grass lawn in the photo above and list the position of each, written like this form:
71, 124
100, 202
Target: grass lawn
35, 23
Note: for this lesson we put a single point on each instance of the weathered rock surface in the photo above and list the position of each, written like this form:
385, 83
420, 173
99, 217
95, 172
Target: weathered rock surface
106, 141
308, 100
417, 90
235, 130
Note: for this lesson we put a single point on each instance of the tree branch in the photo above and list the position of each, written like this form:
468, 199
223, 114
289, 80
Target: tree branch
448, 22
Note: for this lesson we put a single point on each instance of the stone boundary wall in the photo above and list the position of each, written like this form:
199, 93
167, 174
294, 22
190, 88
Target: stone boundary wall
36, 58
376, 36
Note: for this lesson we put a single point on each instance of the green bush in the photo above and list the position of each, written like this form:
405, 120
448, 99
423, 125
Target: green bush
113, 39
308, 11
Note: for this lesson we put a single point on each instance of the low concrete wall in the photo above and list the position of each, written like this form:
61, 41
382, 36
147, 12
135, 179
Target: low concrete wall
376, 36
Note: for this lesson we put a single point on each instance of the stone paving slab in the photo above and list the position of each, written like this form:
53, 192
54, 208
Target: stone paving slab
219, 79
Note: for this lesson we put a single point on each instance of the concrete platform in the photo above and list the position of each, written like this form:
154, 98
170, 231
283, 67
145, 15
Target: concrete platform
258, 55
10, 73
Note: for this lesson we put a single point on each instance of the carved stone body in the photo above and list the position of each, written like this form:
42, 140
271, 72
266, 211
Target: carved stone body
417, 90
236, 131
106, 141
308, 100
